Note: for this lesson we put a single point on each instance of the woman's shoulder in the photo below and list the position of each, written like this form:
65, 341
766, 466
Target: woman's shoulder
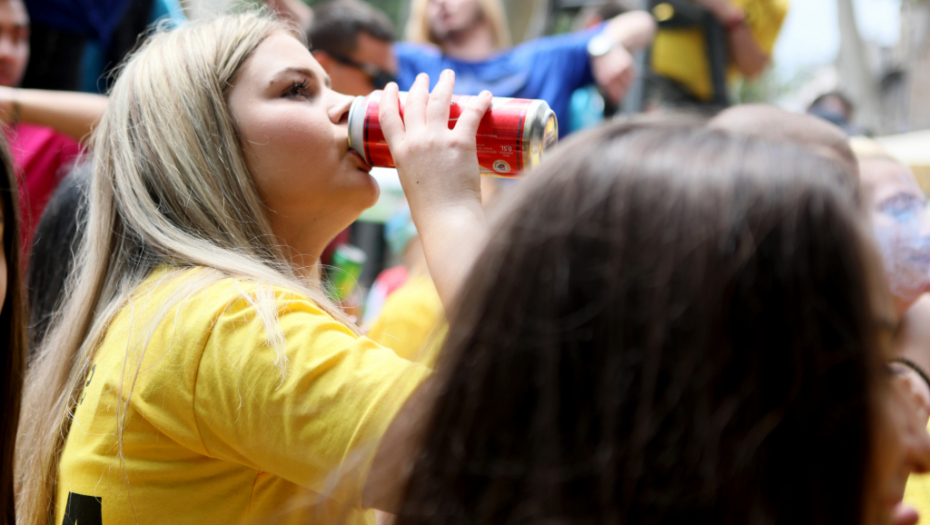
193, 302
207, 288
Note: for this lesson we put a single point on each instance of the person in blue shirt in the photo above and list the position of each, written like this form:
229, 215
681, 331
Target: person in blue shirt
470, 37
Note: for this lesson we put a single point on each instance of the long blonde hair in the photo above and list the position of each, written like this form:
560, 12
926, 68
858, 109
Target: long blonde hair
493, 11
170, 187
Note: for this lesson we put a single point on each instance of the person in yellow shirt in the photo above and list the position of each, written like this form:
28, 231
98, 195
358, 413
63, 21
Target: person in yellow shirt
407, 315
197, 372
681, 71
403, 309
412, 316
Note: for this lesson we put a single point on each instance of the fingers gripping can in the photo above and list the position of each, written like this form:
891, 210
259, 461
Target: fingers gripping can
512, 137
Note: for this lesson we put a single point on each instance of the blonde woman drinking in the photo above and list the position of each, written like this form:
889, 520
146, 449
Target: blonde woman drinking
197, 373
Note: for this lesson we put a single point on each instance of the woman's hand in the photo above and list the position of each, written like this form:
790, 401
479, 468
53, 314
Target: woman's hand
438, 169
437, 165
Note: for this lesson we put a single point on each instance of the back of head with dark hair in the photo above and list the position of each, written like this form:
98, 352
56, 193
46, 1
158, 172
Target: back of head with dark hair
668, 326
336, 26
54, 248
767, 122
12, 335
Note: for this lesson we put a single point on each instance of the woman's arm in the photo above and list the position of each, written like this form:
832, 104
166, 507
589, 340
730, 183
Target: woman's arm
71, 113
633, 30
438, 169
393, 461
745, 51
615, 70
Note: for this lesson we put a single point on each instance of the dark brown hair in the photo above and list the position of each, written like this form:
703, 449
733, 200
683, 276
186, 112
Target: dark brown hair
12, 335
336, 25
668, 326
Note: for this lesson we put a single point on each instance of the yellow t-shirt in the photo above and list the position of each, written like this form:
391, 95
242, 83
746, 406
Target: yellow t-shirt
212, 433
410, 321
681, 55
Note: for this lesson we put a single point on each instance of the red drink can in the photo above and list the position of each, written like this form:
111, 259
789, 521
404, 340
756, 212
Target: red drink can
512, 137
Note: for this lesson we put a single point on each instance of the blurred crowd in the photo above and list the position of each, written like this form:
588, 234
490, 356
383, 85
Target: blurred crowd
689, 310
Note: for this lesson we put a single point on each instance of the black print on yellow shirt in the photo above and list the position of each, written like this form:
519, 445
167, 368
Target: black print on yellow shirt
82, 510
87, 384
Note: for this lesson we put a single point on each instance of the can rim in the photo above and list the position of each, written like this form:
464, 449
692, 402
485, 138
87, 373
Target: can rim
357, 115
536, 134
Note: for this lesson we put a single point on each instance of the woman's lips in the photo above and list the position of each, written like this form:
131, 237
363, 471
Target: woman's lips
360, 161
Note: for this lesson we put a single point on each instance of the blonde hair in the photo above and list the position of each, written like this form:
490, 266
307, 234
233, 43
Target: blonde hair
170, 187
418, 29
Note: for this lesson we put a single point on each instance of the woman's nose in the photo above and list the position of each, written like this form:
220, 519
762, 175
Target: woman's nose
339, 107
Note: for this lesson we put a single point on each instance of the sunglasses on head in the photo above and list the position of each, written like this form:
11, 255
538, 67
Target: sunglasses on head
379, 77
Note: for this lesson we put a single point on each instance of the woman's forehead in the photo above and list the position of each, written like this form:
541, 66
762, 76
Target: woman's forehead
280, 51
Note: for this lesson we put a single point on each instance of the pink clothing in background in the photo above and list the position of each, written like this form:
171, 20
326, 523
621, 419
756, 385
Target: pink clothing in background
385, 284
42, 157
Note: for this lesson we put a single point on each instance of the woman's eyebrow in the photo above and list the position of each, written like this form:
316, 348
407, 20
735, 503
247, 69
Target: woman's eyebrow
309, 73
300, 71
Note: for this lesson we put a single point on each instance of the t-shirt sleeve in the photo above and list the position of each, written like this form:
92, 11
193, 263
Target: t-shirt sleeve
317, 426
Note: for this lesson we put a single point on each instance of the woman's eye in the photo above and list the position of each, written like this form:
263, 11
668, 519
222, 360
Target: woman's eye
299, 89
903, 208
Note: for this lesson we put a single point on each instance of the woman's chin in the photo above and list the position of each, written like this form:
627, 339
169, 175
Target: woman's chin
374, 192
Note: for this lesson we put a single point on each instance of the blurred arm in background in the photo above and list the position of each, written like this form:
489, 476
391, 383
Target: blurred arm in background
68, 112
615, 70
745, 51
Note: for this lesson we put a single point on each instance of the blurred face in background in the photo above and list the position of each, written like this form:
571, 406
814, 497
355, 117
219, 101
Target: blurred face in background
369, 67
14, 42
447, 18
901, 224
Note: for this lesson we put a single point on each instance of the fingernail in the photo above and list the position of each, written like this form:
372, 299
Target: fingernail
421, 77
486, 93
